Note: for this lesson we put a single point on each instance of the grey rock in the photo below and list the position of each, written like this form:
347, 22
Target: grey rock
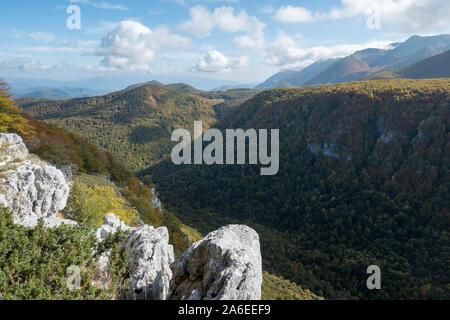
226, 265
32, 222
11, 148
111, 225
31, 188
149, 259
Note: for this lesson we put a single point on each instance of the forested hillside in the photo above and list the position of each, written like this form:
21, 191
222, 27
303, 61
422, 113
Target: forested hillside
61, 148
136, 124
99, 176
364, 179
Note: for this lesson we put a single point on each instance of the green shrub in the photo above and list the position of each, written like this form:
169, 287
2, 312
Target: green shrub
89, 204
34, 262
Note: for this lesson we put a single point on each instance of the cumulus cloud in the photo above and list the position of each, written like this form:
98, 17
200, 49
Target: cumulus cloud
214, 61
253, 37
204, 21
132, 46
286, 51
290, 14
407, 16
404, 15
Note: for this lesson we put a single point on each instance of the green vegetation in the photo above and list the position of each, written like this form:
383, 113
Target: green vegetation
34, 262
364, 179
275, 288
135, 125
89, 203
10, 120
61, 148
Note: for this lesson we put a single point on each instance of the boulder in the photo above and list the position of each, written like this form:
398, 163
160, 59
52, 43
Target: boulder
226, 265
31, 188
12, 148
53, 222
111, 225
149, 259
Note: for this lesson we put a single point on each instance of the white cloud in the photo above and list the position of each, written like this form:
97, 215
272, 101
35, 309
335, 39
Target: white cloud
20, 64
290, 14
132, 46
403, 15
286, 52
254, 35
214, 61
203, 21
408, 16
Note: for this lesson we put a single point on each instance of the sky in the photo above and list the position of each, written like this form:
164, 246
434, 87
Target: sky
234, 40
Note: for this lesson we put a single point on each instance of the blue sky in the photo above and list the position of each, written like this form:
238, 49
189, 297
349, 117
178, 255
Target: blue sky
238, 40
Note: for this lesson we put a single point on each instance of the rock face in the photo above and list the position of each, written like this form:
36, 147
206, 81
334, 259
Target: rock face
111, 225
31, 188
149, 259
226, 265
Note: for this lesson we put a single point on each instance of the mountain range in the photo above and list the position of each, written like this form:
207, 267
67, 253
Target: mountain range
364, 63
437, 66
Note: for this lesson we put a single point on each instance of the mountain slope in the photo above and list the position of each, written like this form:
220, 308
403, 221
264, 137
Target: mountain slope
135, 125
368, 61
364, 179
291, 78
434, 67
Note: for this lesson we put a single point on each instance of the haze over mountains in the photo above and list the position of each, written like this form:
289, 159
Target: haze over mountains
363, 63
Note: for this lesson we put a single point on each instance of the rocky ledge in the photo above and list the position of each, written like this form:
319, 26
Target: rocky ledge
225, 265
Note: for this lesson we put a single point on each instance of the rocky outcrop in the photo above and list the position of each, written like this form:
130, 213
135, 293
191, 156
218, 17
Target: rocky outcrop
111, 225
31, 188
226, 265
149, 259
12, 148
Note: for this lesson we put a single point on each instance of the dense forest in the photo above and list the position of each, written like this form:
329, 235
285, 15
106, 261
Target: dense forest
61, 148
364, 179
100, 178
136, 124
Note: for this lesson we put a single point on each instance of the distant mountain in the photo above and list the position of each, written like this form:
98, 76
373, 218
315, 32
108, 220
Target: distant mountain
56, 93
434, 67
290, 78
362, 63
149, 83
135, 125
231, 87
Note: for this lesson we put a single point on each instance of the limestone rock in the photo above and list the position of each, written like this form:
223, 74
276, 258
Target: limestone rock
226, 265
31, 188
150, 256
32, 222
11, 148
111, 225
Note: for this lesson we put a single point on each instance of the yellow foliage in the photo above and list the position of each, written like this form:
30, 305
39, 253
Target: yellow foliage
192, 234
10, 120
90, 203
